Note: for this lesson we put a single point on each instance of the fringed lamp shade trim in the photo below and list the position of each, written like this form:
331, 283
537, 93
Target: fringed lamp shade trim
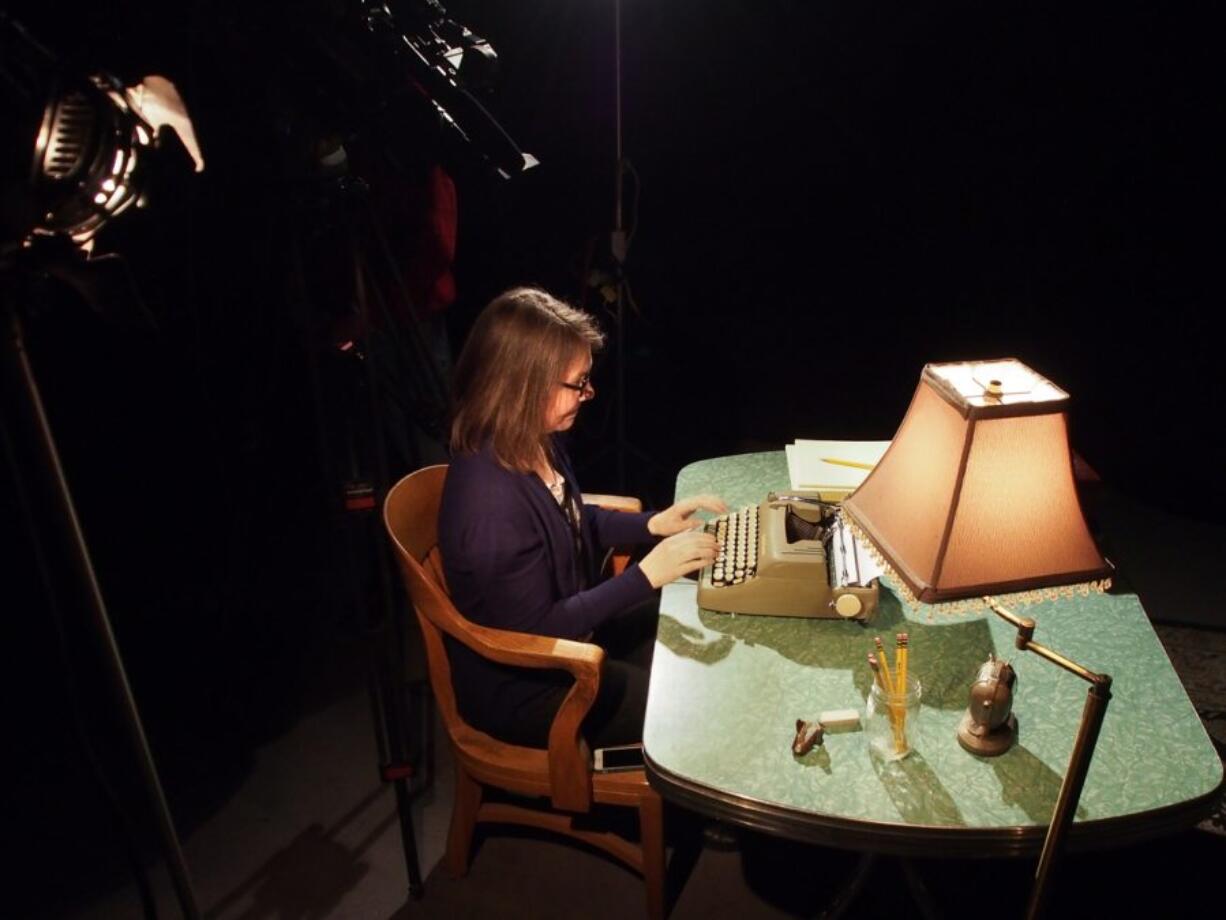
1023, 598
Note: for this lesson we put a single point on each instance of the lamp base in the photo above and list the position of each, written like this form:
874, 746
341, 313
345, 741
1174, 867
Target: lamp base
984, 742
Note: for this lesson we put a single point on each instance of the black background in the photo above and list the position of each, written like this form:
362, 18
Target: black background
828, 196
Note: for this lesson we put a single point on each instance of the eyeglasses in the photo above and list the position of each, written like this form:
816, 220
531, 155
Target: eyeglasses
583, 386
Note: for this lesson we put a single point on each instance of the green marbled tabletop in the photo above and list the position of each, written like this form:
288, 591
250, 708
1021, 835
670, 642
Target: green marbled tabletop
727, 689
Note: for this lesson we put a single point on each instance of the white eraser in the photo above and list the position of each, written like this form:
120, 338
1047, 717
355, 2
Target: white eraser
840, 718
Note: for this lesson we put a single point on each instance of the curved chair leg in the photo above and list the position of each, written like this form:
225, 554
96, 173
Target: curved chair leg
651, 829
463, 820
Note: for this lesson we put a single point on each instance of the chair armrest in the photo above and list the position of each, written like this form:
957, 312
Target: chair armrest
505, 646
570, 767
618, 558
526, 650
613, 502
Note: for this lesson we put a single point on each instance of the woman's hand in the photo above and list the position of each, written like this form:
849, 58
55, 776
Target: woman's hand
678, 555
677, 519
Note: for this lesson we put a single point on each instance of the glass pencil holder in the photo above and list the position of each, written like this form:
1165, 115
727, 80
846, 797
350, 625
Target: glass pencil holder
891, 719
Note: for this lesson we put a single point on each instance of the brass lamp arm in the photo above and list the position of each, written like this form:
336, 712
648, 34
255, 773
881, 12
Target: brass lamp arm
1025, 630
1092, 715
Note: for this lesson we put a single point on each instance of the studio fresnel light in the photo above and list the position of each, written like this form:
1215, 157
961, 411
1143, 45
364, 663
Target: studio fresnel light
89, 159
91, 142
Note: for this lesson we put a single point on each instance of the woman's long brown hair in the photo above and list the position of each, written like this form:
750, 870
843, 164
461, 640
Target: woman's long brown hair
516, 354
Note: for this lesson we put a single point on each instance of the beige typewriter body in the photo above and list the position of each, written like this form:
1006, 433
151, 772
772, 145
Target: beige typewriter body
766, 567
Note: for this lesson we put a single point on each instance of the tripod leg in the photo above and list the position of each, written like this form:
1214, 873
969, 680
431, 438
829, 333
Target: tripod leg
19, 372
404, 805
388, 718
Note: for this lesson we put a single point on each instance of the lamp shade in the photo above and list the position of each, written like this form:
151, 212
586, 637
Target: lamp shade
976, 494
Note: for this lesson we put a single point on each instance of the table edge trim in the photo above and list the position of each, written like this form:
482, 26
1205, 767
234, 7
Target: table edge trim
920, 839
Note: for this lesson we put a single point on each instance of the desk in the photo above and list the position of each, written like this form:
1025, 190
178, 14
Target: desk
726, 691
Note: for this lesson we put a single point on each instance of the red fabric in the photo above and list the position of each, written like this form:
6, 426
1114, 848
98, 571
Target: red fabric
435, 258
418, 212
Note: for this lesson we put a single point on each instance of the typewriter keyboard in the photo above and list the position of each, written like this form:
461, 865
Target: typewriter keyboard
737, 534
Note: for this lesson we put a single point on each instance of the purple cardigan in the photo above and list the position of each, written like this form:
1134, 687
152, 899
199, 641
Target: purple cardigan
509, 553
510, 559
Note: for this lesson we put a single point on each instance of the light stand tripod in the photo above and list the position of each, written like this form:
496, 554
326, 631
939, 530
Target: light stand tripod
388, 367
86, 155
43, 456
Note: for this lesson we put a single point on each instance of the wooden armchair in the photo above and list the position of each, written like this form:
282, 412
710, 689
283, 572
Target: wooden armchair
561, 773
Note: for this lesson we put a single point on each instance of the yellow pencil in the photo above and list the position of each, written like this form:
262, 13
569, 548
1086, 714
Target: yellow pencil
880, 681
900, 736
885, 667
853, 463
902, 663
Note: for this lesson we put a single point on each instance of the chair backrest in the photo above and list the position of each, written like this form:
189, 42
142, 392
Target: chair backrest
410, 515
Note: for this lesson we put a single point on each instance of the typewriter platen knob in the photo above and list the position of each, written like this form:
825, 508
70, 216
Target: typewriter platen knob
848, 605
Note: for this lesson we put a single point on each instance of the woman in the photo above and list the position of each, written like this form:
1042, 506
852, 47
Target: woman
520, 549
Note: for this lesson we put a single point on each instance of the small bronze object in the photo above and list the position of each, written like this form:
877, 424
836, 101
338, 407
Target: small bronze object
808, 736
989, 727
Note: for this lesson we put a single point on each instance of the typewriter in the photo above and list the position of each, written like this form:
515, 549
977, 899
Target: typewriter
790, 556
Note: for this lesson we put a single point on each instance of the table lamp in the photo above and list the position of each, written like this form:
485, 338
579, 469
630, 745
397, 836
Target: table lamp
975, 494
